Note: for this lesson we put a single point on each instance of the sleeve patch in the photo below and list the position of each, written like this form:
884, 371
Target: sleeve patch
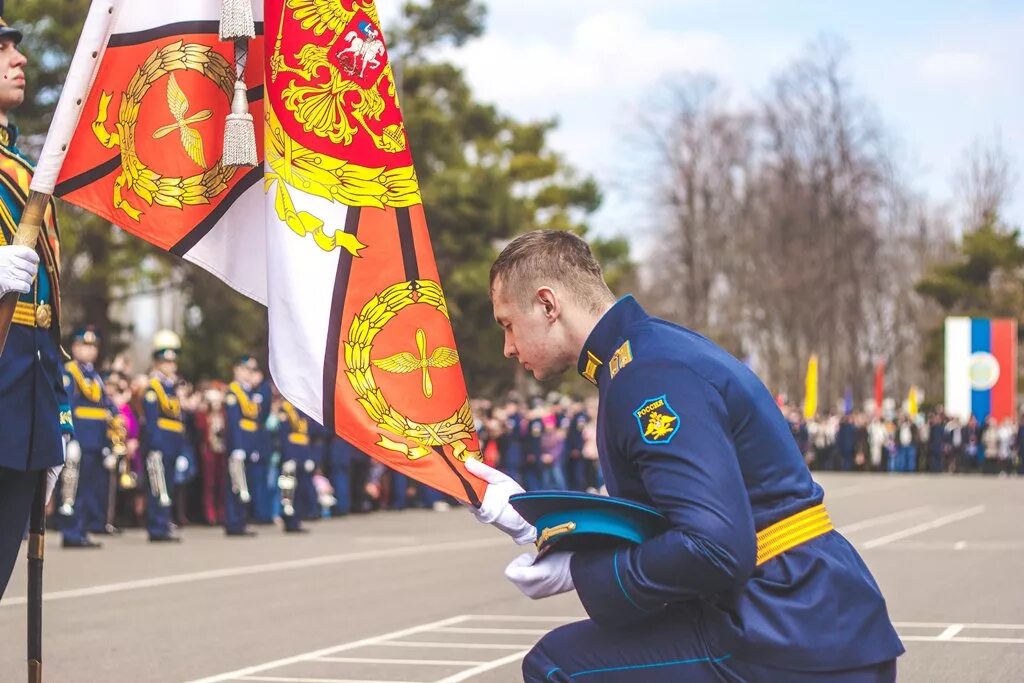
657, 420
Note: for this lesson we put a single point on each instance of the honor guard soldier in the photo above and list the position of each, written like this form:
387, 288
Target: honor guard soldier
90, 457
241, 413
748, 581
337, 458
262, 485
33, 401
166, 446
298, 463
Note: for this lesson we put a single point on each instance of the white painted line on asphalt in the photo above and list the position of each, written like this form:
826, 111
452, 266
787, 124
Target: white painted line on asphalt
505, 617
453, 644
962, 545
884, 519
282, 679
320, 561
466, 675
959, 545
991, 641
921, 528
934, 624
383, 660
305, 657
950, 631
493, 631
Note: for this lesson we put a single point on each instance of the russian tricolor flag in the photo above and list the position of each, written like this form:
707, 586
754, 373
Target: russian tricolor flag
981, 368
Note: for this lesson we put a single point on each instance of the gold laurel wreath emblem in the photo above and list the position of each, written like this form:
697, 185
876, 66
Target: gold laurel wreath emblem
454, 431
144, 182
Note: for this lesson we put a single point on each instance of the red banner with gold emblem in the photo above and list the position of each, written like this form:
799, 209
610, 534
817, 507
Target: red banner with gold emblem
341, 177
147, 152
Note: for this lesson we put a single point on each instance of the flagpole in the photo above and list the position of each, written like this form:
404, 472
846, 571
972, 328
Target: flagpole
81, 74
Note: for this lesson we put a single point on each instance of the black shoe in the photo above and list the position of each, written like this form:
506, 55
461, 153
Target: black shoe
296, 530
243, 532
87, 543
165, 539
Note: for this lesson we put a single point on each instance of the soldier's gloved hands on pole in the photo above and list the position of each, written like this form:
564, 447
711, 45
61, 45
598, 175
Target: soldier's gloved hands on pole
548, 576
288, 467
109, 460
18, 267
181, 463
309, 466
238, 455
495, 508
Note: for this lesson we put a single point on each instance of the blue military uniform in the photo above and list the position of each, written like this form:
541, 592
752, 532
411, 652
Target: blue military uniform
298, 456
33, 400
532, 434
258, 470
511, 447
687, 429
93, 413
241, 415
575, 465
165, 441
338, 455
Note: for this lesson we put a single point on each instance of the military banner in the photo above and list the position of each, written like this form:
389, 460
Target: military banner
333, 240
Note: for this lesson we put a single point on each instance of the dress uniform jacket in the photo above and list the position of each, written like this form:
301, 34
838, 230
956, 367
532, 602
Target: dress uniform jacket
91, 409
686, 428
33, 400
165, 430
242, 414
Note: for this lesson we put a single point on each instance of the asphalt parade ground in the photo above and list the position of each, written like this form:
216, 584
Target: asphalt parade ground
419, 596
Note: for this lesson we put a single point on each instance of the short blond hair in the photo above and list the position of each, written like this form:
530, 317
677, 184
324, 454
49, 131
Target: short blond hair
549, 257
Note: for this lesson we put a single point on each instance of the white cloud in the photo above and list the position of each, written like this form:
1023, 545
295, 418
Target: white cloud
607, 52
957, 68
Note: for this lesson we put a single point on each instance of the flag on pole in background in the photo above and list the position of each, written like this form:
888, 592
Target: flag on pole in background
912, 402
811, 389
981, 367
328, 230
879, 387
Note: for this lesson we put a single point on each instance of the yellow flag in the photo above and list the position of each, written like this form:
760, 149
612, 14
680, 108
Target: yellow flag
912, 400
811, 391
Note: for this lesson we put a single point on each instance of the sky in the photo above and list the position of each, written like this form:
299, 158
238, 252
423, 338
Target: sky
941, 74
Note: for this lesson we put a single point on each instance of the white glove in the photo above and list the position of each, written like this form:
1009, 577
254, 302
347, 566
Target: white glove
548, 576
110, 462
181, 463
18, 268
288, 468
73, 452
52, 475
238, 455
255, 457
309, 466
495, 509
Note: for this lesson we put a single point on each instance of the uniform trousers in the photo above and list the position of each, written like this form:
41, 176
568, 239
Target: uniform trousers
93, 485
17, 489
673, 648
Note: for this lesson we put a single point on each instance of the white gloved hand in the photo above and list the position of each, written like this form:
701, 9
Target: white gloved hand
309, 466
255, 457
52, 475
181, 463
495, 508
110, 462
18, 268
72, 452
548, 576
288, 467
238, 455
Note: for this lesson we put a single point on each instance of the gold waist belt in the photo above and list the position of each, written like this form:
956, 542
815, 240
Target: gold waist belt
791, 532
89, 413
26, 313
169, 425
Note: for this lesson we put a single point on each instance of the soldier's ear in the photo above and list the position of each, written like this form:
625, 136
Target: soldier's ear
546, 297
